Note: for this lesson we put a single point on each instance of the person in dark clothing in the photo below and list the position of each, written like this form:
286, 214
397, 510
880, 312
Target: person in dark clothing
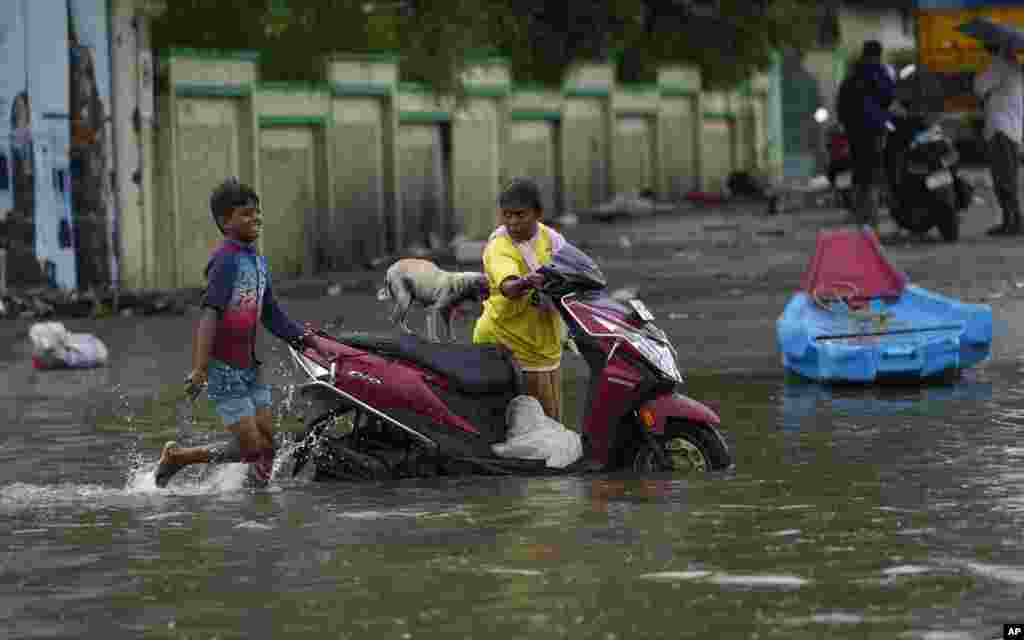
863, 106
1001, 90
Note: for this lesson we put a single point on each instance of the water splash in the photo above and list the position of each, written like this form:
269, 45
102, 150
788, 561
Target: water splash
140, 484
212, 479
675, 575
766, 581
285, 458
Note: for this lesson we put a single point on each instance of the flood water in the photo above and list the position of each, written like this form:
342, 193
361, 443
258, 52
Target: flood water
851, 514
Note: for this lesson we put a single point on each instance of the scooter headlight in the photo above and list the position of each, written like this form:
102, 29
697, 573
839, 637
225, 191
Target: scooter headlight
659, 354
653, 345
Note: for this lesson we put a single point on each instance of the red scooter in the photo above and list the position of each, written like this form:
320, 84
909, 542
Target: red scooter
387, 407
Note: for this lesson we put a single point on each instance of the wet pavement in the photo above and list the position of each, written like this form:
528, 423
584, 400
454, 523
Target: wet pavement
852, 513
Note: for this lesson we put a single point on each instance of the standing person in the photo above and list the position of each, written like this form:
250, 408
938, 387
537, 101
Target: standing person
515, 315
1002, 95
238, 297
863, 105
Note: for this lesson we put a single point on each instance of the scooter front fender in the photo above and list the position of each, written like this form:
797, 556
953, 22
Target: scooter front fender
675, 405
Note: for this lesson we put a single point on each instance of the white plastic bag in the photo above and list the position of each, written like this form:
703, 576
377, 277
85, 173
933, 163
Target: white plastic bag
54, 347
532, 435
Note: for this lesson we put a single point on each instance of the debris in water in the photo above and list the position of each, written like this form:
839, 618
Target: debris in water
626, 293
569, 220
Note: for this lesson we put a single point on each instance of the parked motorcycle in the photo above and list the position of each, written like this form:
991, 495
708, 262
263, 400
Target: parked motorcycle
925, 188
840, 166
386, 407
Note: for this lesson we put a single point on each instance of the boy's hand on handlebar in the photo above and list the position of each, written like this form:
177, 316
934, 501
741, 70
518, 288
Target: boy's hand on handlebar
195, 382
535, 280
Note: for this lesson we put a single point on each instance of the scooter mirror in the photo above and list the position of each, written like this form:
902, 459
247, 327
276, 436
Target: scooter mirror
821, 115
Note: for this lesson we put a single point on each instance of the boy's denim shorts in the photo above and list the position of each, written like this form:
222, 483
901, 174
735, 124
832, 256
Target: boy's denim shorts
236, 393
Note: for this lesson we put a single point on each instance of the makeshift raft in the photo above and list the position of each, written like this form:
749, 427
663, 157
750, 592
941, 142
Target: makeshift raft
856, 319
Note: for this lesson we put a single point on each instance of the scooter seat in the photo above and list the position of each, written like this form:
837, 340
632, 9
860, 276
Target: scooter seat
470, 368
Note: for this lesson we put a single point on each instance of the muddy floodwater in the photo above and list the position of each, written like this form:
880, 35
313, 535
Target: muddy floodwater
851, 514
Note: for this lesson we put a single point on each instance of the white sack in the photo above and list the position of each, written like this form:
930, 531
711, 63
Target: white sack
532, 435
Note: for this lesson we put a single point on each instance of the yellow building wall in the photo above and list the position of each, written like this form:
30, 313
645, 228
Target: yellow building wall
164, 250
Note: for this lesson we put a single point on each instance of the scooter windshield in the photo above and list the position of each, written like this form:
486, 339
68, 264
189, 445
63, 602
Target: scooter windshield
576, 270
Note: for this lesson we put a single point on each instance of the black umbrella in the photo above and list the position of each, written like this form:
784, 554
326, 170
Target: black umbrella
993, 33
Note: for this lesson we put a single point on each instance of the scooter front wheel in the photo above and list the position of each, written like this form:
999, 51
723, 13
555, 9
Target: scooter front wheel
684, 450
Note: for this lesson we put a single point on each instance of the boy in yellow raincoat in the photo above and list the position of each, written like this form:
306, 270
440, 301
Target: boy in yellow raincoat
515, 315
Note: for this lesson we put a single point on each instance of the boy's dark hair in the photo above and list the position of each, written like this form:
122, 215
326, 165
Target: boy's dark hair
521, 193
872, 49
227, 196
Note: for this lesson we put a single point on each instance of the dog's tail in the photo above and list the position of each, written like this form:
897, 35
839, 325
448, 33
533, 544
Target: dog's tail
384, 293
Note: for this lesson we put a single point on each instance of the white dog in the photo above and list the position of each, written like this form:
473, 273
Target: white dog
440, 292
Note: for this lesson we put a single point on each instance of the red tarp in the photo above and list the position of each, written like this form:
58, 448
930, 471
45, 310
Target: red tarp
846, 257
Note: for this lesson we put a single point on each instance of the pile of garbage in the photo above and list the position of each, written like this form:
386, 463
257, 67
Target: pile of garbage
53, 303
54, 347
632, 204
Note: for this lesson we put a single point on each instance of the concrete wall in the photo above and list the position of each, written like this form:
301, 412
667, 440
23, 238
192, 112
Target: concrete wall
719, 138
680, 127
364, 222
212, 134
635, 138
364, 167
423, 168
532, 143
292, 121
477, 134
586, 135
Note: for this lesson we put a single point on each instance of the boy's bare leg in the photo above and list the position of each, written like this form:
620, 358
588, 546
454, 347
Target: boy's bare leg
250, 445
183, 456
265, 423
546, 386
251, 435
255, 438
